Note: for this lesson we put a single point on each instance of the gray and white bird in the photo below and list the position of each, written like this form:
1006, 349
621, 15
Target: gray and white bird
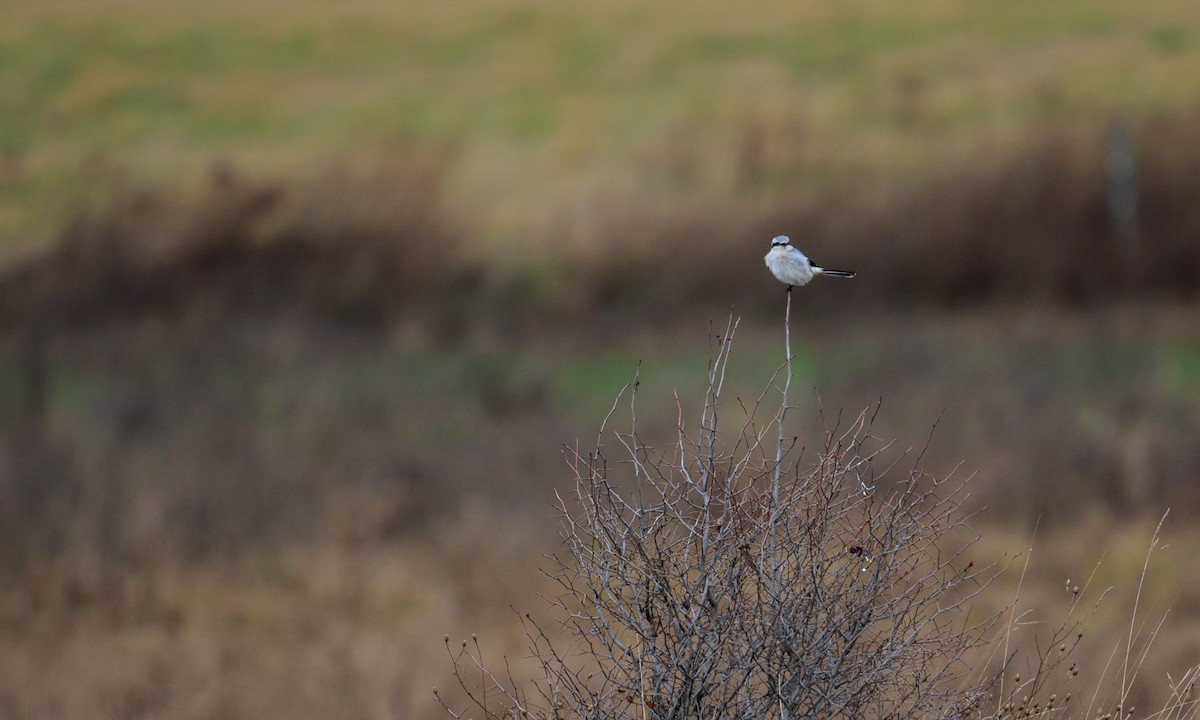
792, 267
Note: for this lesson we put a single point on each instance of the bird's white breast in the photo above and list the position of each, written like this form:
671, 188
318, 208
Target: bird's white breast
789, 265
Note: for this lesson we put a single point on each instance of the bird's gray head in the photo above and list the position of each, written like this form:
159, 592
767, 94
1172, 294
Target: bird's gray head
780, 241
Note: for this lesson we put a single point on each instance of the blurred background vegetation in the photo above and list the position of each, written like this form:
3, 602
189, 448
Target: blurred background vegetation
299, 301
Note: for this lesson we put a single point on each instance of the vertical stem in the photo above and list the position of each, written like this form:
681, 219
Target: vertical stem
787, 383
783, 408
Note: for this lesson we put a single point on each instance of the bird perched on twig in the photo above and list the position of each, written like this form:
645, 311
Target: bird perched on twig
792, 267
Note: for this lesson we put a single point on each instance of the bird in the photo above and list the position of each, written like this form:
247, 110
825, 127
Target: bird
792, 267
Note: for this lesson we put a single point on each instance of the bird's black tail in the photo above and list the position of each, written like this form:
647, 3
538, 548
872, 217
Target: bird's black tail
837, 273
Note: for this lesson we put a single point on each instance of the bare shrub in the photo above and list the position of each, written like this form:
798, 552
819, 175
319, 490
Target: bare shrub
709, 579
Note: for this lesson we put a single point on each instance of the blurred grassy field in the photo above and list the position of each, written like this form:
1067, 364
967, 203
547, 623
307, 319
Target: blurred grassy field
357, 632
544, 101
299, 301
284, 516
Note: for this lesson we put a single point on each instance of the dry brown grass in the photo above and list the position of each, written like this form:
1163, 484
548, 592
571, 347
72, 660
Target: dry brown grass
336, 630
350, 623
1020, 221
1120, 590
355, 630
375, 237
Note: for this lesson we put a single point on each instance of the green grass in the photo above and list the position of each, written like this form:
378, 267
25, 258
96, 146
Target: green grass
573, 90
587, 384
1183, 371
